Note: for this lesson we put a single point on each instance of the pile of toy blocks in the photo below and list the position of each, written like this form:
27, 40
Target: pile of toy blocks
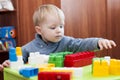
69, 59
103, 67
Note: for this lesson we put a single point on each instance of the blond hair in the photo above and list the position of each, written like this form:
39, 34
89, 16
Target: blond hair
41, 13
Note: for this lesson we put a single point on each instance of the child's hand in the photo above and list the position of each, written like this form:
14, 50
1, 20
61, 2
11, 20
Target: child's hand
6, 63
1, 67
105, 43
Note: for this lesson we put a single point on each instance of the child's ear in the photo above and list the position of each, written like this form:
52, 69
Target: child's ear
38, 29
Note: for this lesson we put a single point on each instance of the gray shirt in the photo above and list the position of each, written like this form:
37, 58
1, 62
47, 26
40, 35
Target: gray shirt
66, 44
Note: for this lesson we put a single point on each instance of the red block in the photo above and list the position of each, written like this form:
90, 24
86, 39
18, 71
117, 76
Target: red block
78, 59
54, 76
63, 76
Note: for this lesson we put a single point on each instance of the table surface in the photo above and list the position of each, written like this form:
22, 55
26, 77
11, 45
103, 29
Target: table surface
86, 75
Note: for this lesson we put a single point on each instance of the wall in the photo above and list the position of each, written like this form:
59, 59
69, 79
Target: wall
113, 25
93, 18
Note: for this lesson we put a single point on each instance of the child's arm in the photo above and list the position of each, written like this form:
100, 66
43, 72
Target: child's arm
105, 43
6, 63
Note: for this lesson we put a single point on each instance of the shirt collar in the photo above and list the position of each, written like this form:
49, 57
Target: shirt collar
40, 41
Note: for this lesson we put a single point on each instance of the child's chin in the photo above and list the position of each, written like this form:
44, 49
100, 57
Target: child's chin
57, 40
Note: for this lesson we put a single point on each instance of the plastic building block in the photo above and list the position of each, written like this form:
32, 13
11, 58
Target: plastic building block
114, 67
45, 67
105, 66
76, 72
54, 76
29, 72
100, 67
35, 58
18, 51
12, 55
58, 58
42, 69
78, 59
16, 61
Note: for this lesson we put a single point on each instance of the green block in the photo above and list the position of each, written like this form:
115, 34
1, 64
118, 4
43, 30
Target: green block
67, 52
51, 62
59, 58
59, 64
51, 58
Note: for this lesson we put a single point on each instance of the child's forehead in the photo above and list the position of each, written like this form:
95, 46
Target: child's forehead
52, 19
51, 14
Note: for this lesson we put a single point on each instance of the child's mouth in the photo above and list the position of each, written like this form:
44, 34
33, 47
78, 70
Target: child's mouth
59, 36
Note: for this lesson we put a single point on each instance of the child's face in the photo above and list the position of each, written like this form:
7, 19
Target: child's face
52, 29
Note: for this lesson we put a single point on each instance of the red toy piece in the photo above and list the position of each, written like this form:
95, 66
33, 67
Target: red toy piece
78, 59
54, 76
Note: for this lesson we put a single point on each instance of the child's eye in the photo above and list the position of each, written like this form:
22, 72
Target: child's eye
52, 28
61, 26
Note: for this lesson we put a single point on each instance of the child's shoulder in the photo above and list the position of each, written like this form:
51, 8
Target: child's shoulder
31, 43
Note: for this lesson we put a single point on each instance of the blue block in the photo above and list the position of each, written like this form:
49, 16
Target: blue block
12, 54
29, 72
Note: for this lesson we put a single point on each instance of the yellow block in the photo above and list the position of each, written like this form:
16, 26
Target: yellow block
18, 51
114, 67
100, 68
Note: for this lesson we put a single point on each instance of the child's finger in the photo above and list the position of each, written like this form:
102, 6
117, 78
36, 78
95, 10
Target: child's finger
108, 43
105, 44
112, 43
6, 63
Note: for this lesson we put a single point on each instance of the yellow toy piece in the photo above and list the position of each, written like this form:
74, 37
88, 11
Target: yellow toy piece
100, 68
18, 51
45, 67
114, 67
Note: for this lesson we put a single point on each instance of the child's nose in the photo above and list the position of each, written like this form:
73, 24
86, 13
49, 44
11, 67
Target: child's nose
58, 30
